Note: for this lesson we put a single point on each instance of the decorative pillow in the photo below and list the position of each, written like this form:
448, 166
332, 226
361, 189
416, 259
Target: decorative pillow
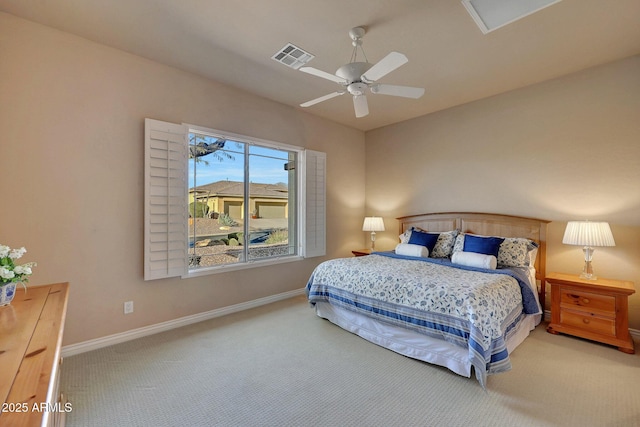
482, 245
513, 252
516, 252
408, 249
459, 243
404, 237
472, 259
423, 239
444, 245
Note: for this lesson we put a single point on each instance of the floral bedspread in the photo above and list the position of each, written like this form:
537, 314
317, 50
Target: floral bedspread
468, 307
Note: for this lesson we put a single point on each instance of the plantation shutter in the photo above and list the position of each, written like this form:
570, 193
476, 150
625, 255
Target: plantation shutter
166, 162
315, 205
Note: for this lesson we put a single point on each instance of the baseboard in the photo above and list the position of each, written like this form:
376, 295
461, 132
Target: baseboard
95, 344
73, 349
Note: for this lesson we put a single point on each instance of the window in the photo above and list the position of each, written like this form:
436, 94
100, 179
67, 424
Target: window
216, 200
242, 203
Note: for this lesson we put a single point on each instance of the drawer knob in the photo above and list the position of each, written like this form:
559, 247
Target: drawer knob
585, 300
585, 321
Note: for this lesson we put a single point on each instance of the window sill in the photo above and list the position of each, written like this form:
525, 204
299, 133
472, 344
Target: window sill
241, 266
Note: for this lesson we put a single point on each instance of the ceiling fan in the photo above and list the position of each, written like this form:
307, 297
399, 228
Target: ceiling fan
356, 77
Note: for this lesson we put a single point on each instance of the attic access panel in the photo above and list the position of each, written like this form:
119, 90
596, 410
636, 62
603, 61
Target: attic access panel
493, 14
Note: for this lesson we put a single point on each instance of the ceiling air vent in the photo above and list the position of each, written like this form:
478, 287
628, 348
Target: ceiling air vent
292, 56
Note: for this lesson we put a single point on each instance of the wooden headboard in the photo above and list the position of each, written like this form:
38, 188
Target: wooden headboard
489, 225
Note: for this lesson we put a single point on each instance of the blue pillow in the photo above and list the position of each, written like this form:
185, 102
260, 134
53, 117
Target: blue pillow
482, 245
423, 239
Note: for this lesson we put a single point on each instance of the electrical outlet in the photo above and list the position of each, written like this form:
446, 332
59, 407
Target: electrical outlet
128, 307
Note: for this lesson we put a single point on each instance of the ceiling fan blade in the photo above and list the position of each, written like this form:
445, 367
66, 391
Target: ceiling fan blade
322, 98
323, 74
384, 67
393, 90
360, 105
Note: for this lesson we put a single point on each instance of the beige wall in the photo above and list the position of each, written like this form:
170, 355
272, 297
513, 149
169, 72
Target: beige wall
71, 161
71, 164
566, 149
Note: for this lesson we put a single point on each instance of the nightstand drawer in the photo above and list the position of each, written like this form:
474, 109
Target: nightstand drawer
587, 301
598, 325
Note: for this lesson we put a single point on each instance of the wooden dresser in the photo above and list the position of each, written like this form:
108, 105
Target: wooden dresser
591, 309
31, 330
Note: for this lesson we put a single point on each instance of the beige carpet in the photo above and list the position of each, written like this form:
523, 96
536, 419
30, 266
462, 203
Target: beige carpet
280, 365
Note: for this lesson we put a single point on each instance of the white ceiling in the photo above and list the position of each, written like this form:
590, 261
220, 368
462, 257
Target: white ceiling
232, 41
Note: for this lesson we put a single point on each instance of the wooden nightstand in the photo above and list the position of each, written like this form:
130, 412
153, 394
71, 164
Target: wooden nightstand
361, 252
591, 309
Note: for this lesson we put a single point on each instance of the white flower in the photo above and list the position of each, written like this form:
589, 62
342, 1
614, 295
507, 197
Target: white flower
5, 273
17, 253
9, 271
22, 269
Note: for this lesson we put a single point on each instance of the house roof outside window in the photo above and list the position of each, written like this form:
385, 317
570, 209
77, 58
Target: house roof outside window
236, 189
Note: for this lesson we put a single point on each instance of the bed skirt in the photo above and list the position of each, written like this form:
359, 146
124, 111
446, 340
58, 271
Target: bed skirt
413, 344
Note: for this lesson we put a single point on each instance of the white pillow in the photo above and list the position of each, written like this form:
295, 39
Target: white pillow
531, 258
408, 249
472, 259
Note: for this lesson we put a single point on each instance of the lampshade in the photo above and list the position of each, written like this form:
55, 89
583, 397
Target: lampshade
587, 233
373, 223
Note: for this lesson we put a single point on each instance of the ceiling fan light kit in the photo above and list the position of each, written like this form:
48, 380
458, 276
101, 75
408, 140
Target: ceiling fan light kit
357, 76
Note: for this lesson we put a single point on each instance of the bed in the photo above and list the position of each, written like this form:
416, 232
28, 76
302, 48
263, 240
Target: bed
447, 309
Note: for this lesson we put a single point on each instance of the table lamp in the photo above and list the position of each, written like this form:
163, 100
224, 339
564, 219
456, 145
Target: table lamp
588, 234
373, 224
